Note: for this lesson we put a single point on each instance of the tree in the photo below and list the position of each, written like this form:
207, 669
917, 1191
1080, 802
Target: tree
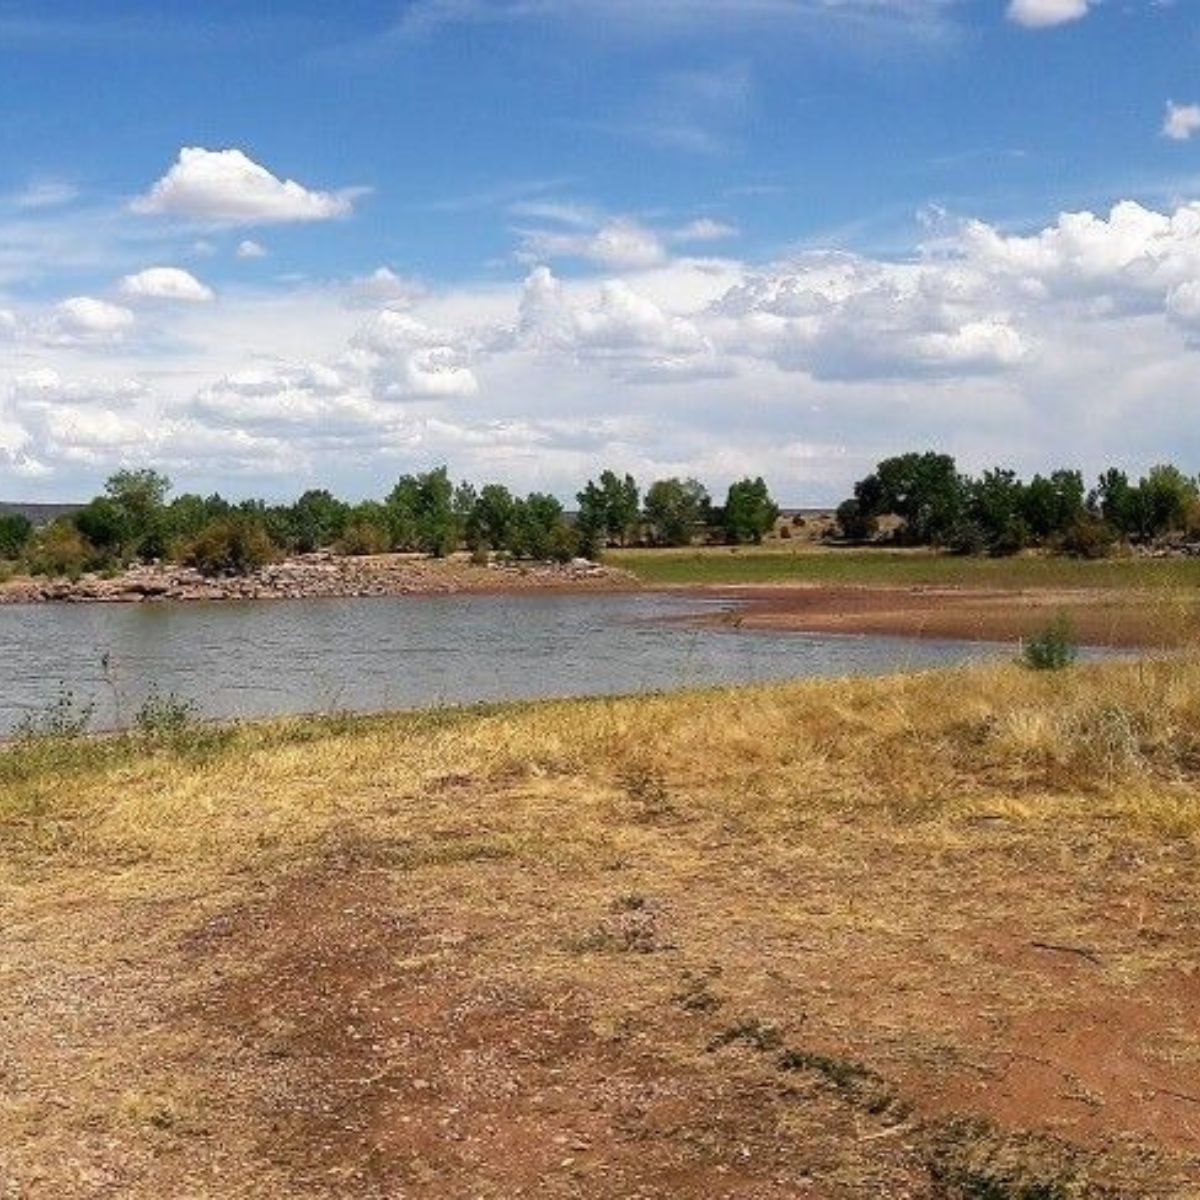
536, 521
59, 549
591, 525
749, 512
140, 496
674, 507
994, 520
621, 506
1051, 506
1114, 499
104, 525
923, 489
492, 519
421, 513
317, 520
16, 529
1167, 496
855, 524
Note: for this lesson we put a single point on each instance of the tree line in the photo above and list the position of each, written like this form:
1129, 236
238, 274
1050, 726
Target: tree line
931, 503
134, 520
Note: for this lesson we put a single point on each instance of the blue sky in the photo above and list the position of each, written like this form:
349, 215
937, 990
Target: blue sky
316, 244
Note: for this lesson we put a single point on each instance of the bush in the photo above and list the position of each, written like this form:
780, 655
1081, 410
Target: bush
233, 545
64, 718
164, 717
363, 537
1053, 649
1089, 537
60, 549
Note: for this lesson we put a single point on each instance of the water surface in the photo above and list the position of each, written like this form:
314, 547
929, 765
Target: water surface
247, 659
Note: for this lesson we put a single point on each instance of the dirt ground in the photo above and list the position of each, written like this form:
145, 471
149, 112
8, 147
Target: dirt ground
863, 1009
1101, 617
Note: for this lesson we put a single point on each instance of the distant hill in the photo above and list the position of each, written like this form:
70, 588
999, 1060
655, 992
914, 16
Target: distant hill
39, 514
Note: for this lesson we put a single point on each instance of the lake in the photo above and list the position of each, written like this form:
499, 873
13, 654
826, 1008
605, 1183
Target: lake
250, 659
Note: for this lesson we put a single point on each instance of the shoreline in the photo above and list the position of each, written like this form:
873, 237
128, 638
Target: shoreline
319, 576
1113, 617
1098, 616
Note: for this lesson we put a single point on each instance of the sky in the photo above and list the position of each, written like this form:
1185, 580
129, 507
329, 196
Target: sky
295, 244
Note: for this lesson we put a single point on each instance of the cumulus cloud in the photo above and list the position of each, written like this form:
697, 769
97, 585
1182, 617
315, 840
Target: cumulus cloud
86, 320
250, 249
165, 283
383, 288
994, 339
1181, 122
634, 337
225, 187
1042, 14
409, 360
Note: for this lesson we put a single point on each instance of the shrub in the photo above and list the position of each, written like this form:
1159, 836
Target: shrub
1053, 648
60, 549
162, 717
63, 718
363, 537
233, 545
1089, 537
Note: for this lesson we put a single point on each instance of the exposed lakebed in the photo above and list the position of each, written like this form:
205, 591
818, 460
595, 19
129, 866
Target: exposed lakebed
253, 659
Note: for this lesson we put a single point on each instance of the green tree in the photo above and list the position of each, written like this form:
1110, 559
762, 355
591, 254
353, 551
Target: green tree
1051, 506
492, 519
140, 497
621, 506
749, 513
317, 519
1167, 496
16, 530
924, 490
854, 523
104, 525
994, 508
422, 514
591, 525
538, 518
674, 508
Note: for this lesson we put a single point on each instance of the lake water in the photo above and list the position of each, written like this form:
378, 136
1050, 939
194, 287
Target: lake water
266, 658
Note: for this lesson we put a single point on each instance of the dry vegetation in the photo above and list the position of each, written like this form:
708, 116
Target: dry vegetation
923, 936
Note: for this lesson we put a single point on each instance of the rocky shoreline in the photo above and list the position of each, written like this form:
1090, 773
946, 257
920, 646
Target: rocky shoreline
313, 576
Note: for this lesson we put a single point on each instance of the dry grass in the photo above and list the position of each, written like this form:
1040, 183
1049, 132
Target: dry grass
915, 884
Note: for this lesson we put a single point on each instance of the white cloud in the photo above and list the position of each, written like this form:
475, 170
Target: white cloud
45, 193
620, 245
1042, 14
409, 360
250, 249
705, 229
1181, 121
806, 369
165, 283
383, 288
225, 187
86, 320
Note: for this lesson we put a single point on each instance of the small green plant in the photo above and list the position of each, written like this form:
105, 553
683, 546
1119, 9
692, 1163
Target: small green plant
64, 718
163, 717
1053, 649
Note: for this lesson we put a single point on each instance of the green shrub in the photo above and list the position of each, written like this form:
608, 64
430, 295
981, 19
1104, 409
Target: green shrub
233, 545
60, 550
1053, 648
363, 537
163, 717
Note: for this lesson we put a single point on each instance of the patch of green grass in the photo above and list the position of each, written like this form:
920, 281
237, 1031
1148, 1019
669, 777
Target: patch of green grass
724, 565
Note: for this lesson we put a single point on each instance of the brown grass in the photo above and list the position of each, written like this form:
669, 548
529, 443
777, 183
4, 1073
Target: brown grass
928, 935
